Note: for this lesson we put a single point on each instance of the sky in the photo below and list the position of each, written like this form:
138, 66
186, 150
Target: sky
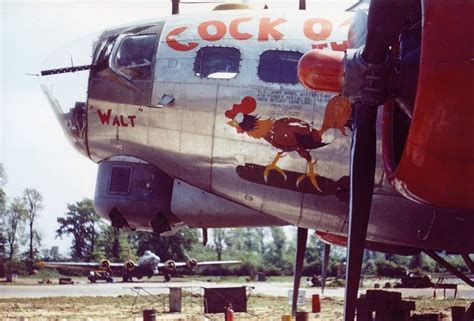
33, 149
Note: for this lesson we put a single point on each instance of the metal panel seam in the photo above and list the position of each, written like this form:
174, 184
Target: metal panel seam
213, 139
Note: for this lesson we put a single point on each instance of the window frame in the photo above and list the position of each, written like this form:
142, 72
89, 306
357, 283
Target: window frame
116, 47
109, 191
279, 60
200, 54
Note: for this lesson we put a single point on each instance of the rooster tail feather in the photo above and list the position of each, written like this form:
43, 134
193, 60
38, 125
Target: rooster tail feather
337, 113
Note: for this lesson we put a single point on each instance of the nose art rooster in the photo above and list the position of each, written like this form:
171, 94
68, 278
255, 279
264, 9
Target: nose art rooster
289, 134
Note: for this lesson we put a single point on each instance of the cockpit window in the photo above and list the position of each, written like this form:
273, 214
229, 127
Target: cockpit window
279, 66
217, 62
135, 55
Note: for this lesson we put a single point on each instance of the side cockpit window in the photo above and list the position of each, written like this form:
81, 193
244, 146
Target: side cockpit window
217, 62
279, 66
134, 56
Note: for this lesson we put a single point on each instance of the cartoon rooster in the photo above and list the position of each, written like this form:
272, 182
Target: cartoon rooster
289, 134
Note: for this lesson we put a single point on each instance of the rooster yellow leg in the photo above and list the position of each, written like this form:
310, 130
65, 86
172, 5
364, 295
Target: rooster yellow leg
310, 173
273, 166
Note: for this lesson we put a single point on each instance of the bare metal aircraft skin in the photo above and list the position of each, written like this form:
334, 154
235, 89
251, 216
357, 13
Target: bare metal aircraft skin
213, 102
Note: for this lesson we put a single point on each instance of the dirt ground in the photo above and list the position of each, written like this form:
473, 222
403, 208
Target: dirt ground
260, 308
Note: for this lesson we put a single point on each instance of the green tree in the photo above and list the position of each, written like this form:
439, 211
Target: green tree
233, 240
201, 252
279, 240
314, 250
14, 220
3, 181
388, 268
276, 254
33, 204
167, 247
416, 262
218, 236
242, 239
82, 222
3, 203
260, 233
114, 244
54, 255
250, 239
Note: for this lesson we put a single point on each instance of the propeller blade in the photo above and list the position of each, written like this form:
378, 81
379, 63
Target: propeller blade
205, 236
302, 5
175, 7
361, 187
327, 250
384, 25
302, 237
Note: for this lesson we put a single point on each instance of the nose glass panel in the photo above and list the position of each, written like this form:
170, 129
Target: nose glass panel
64, 80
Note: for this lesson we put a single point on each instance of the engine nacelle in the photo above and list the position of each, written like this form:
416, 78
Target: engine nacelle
170, 264
191, 263
105, 264
130, 265
339, 240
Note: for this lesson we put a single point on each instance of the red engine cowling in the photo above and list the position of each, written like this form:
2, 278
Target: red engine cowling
339, 240
437, 163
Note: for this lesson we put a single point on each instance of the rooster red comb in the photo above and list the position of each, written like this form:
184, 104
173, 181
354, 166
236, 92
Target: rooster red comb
246, 106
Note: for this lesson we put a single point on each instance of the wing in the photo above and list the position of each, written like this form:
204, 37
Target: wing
80, 266
204, 263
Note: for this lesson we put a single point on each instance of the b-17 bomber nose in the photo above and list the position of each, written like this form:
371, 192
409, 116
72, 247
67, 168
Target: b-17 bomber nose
73, 123
64, 80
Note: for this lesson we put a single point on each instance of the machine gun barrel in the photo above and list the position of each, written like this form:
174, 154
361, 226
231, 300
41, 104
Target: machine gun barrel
64, 70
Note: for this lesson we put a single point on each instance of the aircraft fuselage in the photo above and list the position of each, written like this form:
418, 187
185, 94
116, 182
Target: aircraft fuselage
173, 95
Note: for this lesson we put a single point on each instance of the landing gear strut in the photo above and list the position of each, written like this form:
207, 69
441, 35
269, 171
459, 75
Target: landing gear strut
438, 259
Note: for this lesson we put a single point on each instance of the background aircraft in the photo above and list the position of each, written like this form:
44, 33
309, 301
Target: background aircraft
149, 264
185, 116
